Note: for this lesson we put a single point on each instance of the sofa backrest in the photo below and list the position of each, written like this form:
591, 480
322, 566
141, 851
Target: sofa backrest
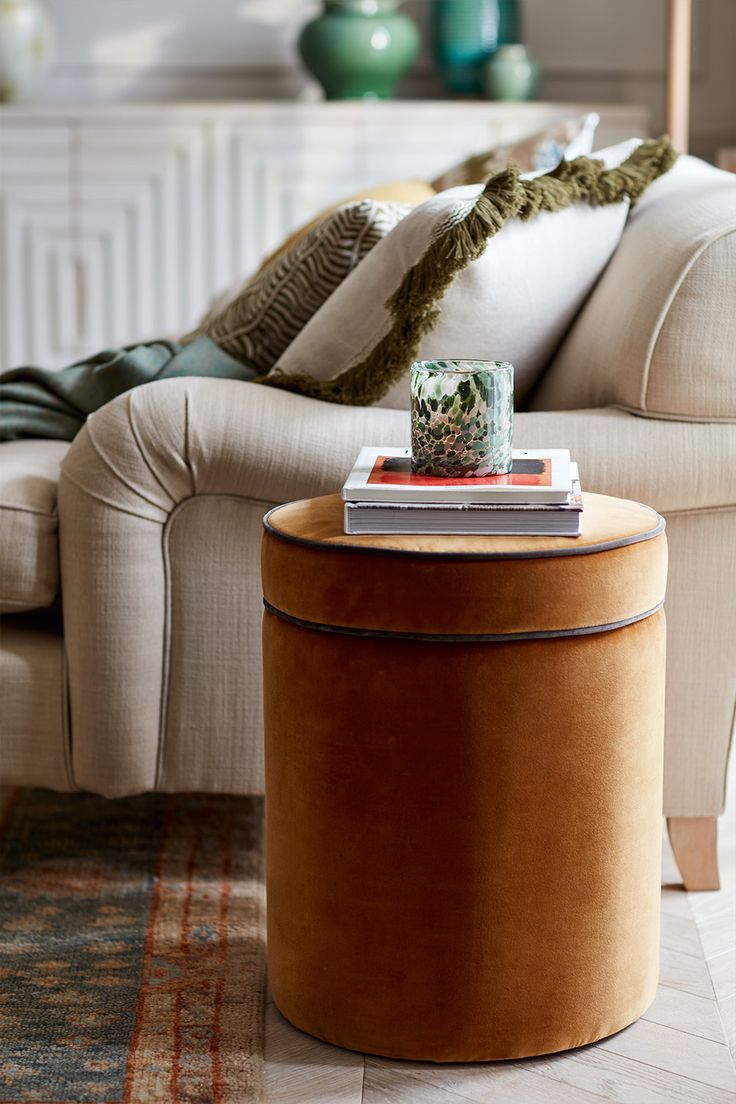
658, 334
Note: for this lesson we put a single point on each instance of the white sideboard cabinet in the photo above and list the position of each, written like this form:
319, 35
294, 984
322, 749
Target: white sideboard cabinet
119, 223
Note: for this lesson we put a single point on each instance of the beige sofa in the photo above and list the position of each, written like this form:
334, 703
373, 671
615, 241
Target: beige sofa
154, 681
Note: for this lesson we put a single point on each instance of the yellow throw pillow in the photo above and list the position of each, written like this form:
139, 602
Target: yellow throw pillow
411, 192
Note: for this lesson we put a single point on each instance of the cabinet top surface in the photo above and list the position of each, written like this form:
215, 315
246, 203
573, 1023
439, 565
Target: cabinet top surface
392, 108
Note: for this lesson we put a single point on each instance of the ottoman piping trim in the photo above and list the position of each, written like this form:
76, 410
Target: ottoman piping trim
460, 638
530, 554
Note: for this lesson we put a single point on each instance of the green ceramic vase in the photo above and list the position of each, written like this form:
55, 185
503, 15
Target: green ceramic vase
359, 49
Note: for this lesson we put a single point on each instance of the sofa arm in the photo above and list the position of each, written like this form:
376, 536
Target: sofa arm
158, 444
658, 333
128, 481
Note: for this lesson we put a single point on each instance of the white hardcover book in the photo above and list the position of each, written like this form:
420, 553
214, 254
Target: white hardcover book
468, 519
385, 475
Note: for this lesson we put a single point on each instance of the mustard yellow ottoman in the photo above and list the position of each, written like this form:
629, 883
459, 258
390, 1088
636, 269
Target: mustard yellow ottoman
463, 782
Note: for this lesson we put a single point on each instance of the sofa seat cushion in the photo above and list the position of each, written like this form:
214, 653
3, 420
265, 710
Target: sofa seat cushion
29, 528
34, 729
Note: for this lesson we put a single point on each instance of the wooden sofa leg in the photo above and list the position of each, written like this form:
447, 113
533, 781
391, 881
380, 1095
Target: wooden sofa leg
695, 846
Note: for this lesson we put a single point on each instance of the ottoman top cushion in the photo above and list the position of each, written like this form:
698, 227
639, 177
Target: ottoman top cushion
464, 586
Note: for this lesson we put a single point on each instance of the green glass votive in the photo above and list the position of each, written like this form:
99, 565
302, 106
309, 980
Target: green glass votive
462, 414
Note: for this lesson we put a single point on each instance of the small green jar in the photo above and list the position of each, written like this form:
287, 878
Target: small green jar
462, 415
510, 74
359, 49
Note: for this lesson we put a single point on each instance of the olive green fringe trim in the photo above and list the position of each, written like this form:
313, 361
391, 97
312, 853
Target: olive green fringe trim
413, 306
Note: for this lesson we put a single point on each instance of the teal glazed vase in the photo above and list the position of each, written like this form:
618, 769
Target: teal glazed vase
359, 49
510, 74
465, 33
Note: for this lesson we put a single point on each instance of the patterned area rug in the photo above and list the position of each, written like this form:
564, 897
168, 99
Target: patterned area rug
132, 938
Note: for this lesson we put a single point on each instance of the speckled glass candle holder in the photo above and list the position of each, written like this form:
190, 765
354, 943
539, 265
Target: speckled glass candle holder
461, 417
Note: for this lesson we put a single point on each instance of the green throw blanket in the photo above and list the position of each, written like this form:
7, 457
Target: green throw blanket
38, 402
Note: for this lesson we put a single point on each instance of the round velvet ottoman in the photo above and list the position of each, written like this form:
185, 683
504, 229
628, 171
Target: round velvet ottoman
463, 782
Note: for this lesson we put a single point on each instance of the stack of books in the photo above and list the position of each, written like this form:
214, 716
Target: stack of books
539, 497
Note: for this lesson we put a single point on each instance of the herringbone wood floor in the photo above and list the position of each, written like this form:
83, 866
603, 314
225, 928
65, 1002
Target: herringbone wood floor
678, 1053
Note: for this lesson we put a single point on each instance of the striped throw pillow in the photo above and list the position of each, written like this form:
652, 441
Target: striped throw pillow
258, 323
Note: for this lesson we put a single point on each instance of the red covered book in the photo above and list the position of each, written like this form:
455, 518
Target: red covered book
385, 475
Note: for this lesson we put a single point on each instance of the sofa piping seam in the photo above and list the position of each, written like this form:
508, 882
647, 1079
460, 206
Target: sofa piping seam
66, 726
23, 603
22, 509
659, 415
187, 459
165, 687
698, 511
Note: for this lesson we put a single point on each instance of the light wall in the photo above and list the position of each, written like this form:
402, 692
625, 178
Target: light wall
595, 50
